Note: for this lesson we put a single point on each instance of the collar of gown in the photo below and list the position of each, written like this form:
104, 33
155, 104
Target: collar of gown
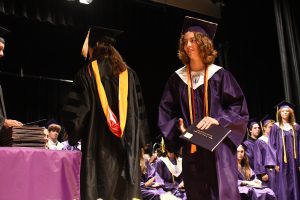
197, 76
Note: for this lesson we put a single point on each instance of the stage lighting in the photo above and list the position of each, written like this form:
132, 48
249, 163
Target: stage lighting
85, 1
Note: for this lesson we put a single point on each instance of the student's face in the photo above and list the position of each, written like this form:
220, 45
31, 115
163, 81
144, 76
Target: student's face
255, 130
267, 128
240, 153
53, 135
285, 113
1, 49
190, 45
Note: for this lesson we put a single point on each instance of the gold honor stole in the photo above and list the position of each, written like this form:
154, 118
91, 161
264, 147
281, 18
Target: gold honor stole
191, 99
115, 126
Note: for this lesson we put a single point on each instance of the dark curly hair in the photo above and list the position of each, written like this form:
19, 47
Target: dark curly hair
206, 47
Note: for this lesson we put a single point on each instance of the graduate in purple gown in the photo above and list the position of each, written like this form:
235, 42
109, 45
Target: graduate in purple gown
249, 186
169, 172
283, 141
150, 189
204, 93
264, 160
253, 129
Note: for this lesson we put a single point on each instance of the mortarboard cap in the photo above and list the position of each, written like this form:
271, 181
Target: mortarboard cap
99, 34
3, 31
252, 122
285, 104
265, 120
198, 25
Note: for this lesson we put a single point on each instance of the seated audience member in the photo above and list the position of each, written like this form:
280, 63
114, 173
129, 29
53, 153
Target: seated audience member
69, 147
53, 132
264, 159
149, 188
249, 186
169, 171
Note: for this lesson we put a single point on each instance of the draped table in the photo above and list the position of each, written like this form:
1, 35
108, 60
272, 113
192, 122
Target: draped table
39, 174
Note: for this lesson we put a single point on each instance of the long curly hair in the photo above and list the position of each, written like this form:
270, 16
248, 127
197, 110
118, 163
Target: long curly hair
246, 170
104, 50
206, 47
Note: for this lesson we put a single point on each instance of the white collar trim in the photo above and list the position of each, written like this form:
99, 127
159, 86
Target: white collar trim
197, 76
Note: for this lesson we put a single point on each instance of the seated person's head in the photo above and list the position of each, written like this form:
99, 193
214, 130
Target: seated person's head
53, 132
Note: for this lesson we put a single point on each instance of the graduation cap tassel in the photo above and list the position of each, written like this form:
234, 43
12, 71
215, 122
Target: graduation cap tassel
284, 148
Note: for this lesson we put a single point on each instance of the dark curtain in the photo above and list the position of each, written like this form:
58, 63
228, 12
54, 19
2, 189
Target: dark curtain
58, 12
287, 24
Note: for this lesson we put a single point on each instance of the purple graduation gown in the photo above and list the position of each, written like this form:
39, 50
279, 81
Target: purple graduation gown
249, 143
254, 193
207, 175
149, 193
264, 162
165, 178
287, 186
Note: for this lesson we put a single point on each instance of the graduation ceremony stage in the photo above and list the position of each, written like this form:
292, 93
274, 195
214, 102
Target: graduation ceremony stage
31, 173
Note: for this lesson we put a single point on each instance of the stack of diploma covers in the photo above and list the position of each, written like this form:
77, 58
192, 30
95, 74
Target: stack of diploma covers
208, 138
25, 136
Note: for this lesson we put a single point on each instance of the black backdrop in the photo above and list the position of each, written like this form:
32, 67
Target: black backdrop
46, 41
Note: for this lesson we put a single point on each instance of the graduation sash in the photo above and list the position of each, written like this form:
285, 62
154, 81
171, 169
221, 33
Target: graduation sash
192, 100
115, 126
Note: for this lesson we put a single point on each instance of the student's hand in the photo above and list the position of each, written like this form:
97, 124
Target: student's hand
181, 185
277, 168
265, 177
206, 122
181, 126
12, 123
150, 182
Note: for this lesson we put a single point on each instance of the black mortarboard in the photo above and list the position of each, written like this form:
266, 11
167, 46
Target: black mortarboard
3, 31
285, 104
265, 120
198, 25
252, 122
99, 34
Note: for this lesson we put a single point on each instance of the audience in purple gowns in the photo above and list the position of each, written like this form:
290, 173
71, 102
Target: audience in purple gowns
249, 186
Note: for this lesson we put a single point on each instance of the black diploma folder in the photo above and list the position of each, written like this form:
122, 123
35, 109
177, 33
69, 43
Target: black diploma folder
208, 139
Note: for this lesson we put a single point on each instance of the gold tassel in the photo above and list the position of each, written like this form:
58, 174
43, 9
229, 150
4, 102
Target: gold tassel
284, 149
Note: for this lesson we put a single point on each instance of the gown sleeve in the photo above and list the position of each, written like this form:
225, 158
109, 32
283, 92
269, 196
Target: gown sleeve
76, 108
168, 111
234, 112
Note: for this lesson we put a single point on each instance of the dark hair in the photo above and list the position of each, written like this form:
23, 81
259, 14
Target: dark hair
206, 47
105, 51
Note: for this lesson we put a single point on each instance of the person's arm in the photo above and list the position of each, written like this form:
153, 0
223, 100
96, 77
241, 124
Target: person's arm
273, 145
169, 120
234, 114
259, 167
12, 123
76, 108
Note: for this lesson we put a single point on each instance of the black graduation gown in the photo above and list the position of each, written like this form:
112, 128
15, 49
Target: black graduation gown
110, 165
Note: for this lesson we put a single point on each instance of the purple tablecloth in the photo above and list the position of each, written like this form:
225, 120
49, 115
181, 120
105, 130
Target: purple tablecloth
38, 174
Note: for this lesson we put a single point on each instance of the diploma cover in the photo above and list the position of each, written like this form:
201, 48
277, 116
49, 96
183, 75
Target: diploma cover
208, 139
